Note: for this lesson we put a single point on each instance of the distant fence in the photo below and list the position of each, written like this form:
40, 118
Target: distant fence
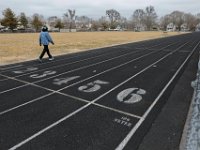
32, 31
67, 30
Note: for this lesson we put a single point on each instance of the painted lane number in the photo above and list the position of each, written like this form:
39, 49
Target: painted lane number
29, 69
46, 73
92, 86
60, 81
131, 95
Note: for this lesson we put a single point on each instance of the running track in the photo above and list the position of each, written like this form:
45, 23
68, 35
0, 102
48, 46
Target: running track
95, 100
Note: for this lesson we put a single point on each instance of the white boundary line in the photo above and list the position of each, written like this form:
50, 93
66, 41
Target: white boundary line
10, 67
34, 100
135, 128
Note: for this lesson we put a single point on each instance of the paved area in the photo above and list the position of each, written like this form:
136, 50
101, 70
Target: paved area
103, 99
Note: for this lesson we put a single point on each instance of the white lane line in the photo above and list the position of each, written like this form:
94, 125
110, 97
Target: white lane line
28, 83
3, 77
29, 102
11, 89
118, 111
58, 122
98, 64
33, 84
3, 80
57, 66
38, 64
105, 61
75, 57
65, 87
48, 128
40, 98
86, 59
13, 78
99, 105
87, 50
143, 70
75, 112
67, 95
136, 127
11, 67
67, 71
57, 60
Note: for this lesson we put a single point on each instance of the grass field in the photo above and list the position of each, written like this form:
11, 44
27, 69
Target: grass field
21, 47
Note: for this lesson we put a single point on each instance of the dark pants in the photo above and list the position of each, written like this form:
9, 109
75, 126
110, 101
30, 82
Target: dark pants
46, 49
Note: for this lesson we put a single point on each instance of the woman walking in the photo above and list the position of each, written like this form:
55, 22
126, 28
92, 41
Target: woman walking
44, 40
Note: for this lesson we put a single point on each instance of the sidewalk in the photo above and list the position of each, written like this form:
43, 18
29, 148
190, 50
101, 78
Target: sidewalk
191, 135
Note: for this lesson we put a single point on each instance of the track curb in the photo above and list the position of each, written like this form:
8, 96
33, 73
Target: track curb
191, 134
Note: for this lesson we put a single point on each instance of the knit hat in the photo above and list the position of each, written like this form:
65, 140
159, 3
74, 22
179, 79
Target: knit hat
44, 28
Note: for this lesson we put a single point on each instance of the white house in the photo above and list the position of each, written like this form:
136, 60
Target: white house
198, 27
139, 27
171, 27
184, 27
1, 27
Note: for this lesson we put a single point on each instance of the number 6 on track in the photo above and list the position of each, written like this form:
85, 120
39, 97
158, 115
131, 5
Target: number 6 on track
131, 95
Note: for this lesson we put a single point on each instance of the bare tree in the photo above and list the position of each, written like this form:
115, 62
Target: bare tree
177, 18
52, 21
191, 21
114, 16
59, 24
164, 21
138, 18
71, 16
37, 22
150, 17
83, 22
198, 18
123, 22
95, 25
104, 24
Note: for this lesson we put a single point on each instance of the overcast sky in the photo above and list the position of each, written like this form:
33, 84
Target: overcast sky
97, 8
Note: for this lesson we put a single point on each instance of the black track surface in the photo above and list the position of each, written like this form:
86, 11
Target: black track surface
103, 99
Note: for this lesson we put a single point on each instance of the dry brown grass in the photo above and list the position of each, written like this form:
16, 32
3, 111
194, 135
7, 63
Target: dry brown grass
21, 47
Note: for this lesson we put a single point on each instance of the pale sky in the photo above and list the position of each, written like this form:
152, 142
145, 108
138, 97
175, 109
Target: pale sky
97, 8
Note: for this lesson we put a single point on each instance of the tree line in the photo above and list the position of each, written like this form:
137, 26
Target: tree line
141, 19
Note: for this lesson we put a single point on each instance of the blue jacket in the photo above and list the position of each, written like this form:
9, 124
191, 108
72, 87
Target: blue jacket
45, 38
